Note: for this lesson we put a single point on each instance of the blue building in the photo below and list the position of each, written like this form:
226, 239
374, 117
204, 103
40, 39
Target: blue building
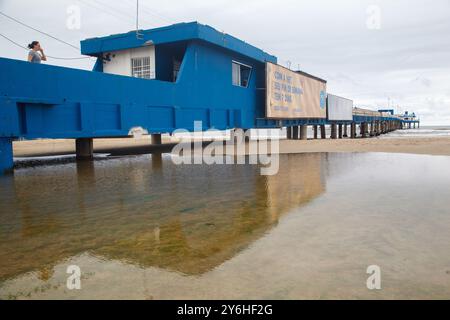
180, 74
197, 74
160, 80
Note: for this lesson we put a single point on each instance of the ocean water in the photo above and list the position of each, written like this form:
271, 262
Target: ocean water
143, 228
422, 132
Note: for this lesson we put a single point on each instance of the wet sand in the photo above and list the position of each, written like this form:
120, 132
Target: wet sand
123, 146
430, 146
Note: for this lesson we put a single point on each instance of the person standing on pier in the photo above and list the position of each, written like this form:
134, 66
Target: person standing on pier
36, 54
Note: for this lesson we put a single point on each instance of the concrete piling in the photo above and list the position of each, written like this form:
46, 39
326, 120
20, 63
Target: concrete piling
316, 132
295, 132
353, 130
323, 132
345, 131
333, 131
84, 148
6, 155
289, 133
156, 139
362, 130
303, 132
340, 131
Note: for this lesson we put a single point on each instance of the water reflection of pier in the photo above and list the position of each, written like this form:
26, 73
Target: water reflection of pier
183, 218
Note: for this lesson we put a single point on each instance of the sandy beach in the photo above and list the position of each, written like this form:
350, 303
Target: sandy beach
124, 146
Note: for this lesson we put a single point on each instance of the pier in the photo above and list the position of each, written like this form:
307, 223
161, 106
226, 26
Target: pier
365, 124
168, 79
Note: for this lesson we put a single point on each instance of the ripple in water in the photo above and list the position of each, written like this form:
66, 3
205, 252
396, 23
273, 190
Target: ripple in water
143, 228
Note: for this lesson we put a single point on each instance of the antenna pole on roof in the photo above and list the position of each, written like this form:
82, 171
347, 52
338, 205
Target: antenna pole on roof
138, 34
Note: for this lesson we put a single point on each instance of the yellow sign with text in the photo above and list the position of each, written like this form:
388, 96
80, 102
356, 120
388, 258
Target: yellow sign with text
292, 95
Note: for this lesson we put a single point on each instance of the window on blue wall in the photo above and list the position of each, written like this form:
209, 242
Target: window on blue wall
241, 74
140, 68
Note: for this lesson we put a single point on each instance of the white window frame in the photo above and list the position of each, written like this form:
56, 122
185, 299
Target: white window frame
141, 68
239, 75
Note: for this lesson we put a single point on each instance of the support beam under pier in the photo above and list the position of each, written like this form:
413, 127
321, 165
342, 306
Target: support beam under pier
316, 132
353, 130
84, 148
323, 132
289, 133
372, 129
362, 130
157, 139
295, 132
333, 131
304, 132
6, 155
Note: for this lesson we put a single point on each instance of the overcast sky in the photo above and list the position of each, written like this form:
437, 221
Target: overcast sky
375, 52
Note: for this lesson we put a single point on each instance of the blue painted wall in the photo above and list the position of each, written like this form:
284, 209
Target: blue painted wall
70, 103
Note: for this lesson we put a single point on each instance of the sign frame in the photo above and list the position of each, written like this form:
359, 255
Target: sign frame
299, 77
319, 113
